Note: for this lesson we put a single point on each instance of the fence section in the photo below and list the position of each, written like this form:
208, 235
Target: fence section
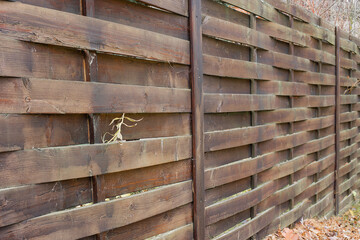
269, 124
240, 128
121, 57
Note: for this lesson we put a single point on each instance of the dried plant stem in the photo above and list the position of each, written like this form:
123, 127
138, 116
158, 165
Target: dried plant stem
117, 136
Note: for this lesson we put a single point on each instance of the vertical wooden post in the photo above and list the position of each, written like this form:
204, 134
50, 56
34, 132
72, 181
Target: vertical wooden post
253, 88
337, 119
292, 79
196, 76
90, 66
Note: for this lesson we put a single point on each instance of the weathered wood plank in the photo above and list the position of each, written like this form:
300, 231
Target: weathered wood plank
315, 78
137, 15
225, 67
22, 203
284, 115
315, 145
116, 184
314, 101
294, 10
176, 6
218, 140
236, 204
314, 123
283, 33
132, 71
25, 132
153, 226
350, 133
181, 233
281, 88
151, 125
60, 97
48, 26
315, 31
230, 172
284, 61
90, 220
72, 6
284, 169
250, 228
54, 164
24, 59
217, 103
222, 29
258, 7
348, 116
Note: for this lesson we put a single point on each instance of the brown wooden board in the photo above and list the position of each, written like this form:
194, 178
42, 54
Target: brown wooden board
153, 226
137, 15
25, 132
50, 27
53, 164
89, 220
26, 202
24, 59
61, 97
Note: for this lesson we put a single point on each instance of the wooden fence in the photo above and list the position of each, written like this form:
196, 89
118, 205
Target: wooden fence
246, 123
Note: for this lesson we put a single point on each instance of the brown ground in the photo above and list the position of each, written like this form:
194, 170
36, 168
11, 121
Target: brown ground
335, 228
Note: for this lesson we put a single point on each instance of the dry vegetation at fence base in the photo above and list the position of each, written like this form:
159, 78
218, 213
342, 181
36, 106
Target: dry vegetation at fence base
346, 226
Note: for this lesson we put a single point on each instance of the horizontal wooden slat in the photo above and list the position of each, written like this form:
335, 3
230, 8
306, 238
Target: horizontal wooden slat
350, 133
218, 140
90, 220
176, 6
116, 184
151, 125
294, 10
24, 131
284, 61
316, 31
284, 115
348, 99
283, 169
314, 101
24, 59
258, 7
281, 88
314, 123
348, 116
133, 14
225, 67
60, 97
250, 228
53, 164
315, 145
231, 206
282, 32
153, 226
22, 203
240, 102
316, 55
348, 45
218, 28
181, 233
230, 172
315, 78
48, 26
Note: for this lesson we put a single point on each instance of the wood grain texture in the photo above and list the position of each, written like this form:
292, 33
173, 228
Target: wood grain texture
61, 97
177, 6
76, 223
26, 202
48, 26
53, 164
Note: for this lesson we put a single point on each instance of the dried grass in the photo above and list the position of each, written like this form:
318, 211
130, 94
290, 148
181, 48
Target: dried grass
119, 123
